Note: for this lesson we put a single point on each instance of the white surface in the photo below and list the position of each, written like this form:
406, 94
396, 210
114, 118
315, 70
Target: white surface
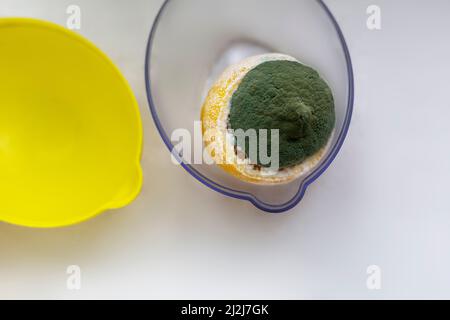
384, 200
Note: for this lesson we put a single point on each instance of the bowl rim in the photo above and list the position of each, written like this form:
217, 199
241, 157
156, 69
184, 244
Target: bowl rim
314, 175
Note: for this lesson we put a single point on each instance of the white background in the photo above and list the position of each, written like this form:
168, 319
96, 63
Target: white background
384, 201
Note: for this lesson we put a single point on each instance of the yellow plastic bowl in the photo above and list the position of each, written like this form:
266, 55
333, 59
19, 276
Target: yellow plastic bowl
70, 128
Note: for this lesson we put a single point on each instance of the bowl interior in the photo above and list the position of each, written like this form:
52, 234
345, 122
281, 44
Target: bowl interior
193, 41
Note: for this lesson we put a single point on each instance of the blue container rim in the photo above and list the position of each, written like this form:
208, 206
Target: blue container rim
244, 195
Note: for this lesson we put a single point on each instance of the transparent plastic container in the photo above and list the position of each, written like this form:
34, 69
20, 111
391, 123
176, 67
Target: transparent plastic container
193, 41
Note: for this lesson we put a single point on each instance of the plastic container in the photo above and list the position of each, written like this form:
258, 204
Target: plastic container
192, 41
70, 128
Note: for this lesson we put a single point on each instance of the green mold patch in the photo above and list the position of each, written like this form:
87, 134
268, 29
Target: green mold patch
290, 97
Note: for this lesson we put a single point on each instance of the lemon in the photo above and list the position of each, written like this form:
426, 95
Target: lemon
220, 143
